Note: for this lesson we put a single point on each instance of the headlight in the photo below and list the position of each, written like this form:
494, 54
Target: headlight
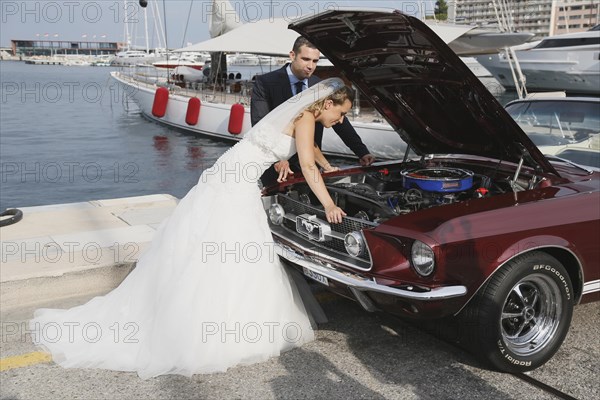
276, 214
423, 259
354, 243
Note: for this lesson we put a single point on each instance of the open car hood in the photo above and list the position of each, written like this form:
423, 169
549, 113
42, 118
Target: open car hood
419, 85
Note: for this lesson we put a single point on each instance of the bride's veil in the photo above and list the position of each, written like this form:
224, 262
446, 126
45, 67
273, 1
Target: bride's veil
276, 121
279, 117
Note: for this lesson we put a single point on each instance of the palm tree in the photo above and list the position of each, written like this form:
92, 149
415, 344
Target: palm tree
441, 10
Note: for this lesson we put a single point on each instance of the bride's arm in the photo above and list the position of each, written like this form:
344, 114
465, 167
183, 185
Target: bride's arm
304, 132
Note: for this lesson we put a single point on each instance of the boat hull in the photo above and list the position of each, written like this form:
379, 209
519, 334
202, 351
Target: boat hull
574, 70
379, 137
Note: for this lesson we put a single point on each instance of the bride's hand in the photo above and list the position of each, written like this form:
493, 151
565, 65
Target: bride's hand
283, 168
330, 168
334, 214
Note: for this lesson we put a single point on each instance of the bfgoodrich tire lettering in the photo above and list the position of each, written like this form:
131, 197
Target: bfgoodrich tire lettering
522, 314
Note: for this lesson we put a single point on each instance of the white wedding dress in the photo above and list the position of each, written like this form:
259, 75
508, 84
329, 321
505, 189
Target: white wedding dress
210, 292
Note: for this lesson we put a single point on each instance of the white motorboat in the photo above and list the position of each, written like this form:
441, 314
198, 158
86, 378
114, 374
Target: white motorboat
133, 57
476, 68
566, 62
195, 61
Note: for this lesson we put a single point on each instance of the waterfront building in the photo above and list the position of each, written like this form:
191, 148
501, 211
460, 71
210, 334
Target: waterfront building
575, 16
540, 17
29, 48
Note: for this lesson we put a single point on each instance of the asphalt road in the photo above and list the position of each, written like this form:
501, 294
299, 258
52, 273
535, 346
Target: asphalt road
356, 355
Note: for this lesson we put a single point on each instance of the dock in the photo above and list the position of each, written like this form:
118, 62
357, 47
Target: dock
67, 250
45, 61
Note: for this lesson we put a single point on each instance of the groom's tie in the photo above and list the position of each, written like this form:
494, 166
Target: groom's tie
299, 86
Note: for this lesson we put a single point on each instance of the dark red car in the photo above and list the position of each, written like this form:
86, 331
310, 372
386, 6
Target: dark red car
480, 225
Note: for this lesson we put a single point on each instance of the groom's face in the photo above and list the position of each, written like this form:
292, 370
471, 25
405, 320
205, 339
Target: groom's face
304, 62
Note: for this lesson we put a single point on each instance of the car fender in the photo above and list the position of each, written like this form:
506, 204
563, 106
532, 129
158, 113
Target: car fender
553, 245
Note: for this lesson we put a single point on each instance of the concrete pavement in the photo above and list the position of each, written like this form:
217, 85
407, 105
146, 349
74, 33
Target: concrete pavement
60, 256
356, 355
65, 250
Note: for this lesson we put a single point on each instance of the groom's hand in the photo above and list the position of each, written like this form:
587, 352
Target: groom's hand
283, 169
367, 160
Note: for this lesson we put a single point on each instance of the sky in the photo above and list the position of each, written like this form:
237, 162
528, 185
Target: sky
186, 21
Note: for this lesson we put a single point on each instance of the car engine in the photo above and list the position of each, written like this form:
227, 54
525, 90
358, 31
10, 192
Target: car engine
378, 196
373, 197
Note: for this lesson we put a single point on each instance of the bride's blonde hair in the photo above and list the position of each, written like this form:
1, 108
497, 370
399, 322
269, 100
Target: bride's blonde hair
338, 97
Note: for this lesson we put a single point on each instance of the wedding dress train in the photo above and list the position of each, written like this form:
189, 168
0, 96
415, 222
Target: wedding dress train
208, 294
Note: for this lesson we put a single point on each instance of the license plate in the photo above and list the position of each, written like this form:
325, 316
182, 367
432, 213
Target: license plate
317, 277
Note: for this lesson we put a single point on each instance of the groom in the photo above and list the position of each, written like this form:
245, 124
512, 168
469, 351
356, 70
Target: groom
274, 88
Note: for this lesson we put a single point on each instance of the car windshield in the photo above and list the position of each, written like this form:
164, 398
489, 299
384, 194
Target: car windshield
557, 122
589, 158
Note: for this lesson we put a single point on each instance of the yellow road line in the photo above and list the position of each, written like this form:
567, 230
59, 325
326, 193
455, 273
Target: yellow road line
24, 360
38, 357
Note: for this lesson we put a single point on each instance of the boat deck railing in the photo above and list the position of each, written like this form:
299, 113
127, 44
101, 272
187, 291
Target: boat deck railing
230, 91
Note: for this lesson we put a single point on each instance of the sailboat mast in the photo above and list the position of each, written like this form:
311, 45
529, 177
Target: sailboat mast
146, 30
126, 27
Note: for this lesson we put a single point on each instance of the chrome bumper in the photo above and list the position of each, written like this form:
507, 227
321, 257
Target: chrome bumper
357, 284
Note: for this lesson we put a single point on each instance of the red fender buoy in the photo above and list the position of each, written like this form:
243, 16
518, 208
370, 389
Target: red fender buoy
161, 97
236, 119
193, 111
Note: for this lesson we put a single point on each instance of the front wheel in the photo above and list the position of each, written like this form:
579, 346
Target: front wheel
521, 316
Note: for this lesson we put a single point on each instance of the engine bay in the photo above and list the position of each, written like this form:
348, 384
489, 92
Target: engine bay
389, 192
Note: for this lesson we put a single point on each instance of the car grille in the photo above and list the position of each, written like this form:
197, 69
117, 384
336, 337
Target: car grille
336, 244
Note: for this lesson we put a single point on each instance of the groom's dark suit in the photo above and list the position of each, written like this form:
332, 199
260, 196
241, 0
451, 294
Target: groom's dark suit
274, 88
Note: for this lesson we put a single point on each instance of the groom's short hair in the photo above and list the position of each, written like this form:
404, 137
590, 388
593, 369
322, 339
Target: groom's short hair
301, 41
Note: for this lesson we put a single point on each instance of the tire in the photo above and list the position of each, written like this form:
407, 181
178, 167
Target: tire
520, 317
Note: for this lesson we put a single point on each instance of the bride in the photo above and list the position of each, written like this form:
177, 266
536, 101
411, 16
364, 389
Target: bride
209, 293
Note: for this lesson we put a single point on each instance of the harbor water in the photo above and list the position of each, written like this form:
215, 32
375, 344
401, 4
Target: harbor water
65, 136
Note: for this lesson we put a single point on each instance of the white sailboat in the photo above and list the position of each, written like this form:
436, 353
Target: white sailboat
223, 111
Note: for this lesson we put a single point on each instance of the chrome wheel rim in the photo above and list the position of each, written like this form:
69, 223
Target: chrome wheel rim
531, 314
